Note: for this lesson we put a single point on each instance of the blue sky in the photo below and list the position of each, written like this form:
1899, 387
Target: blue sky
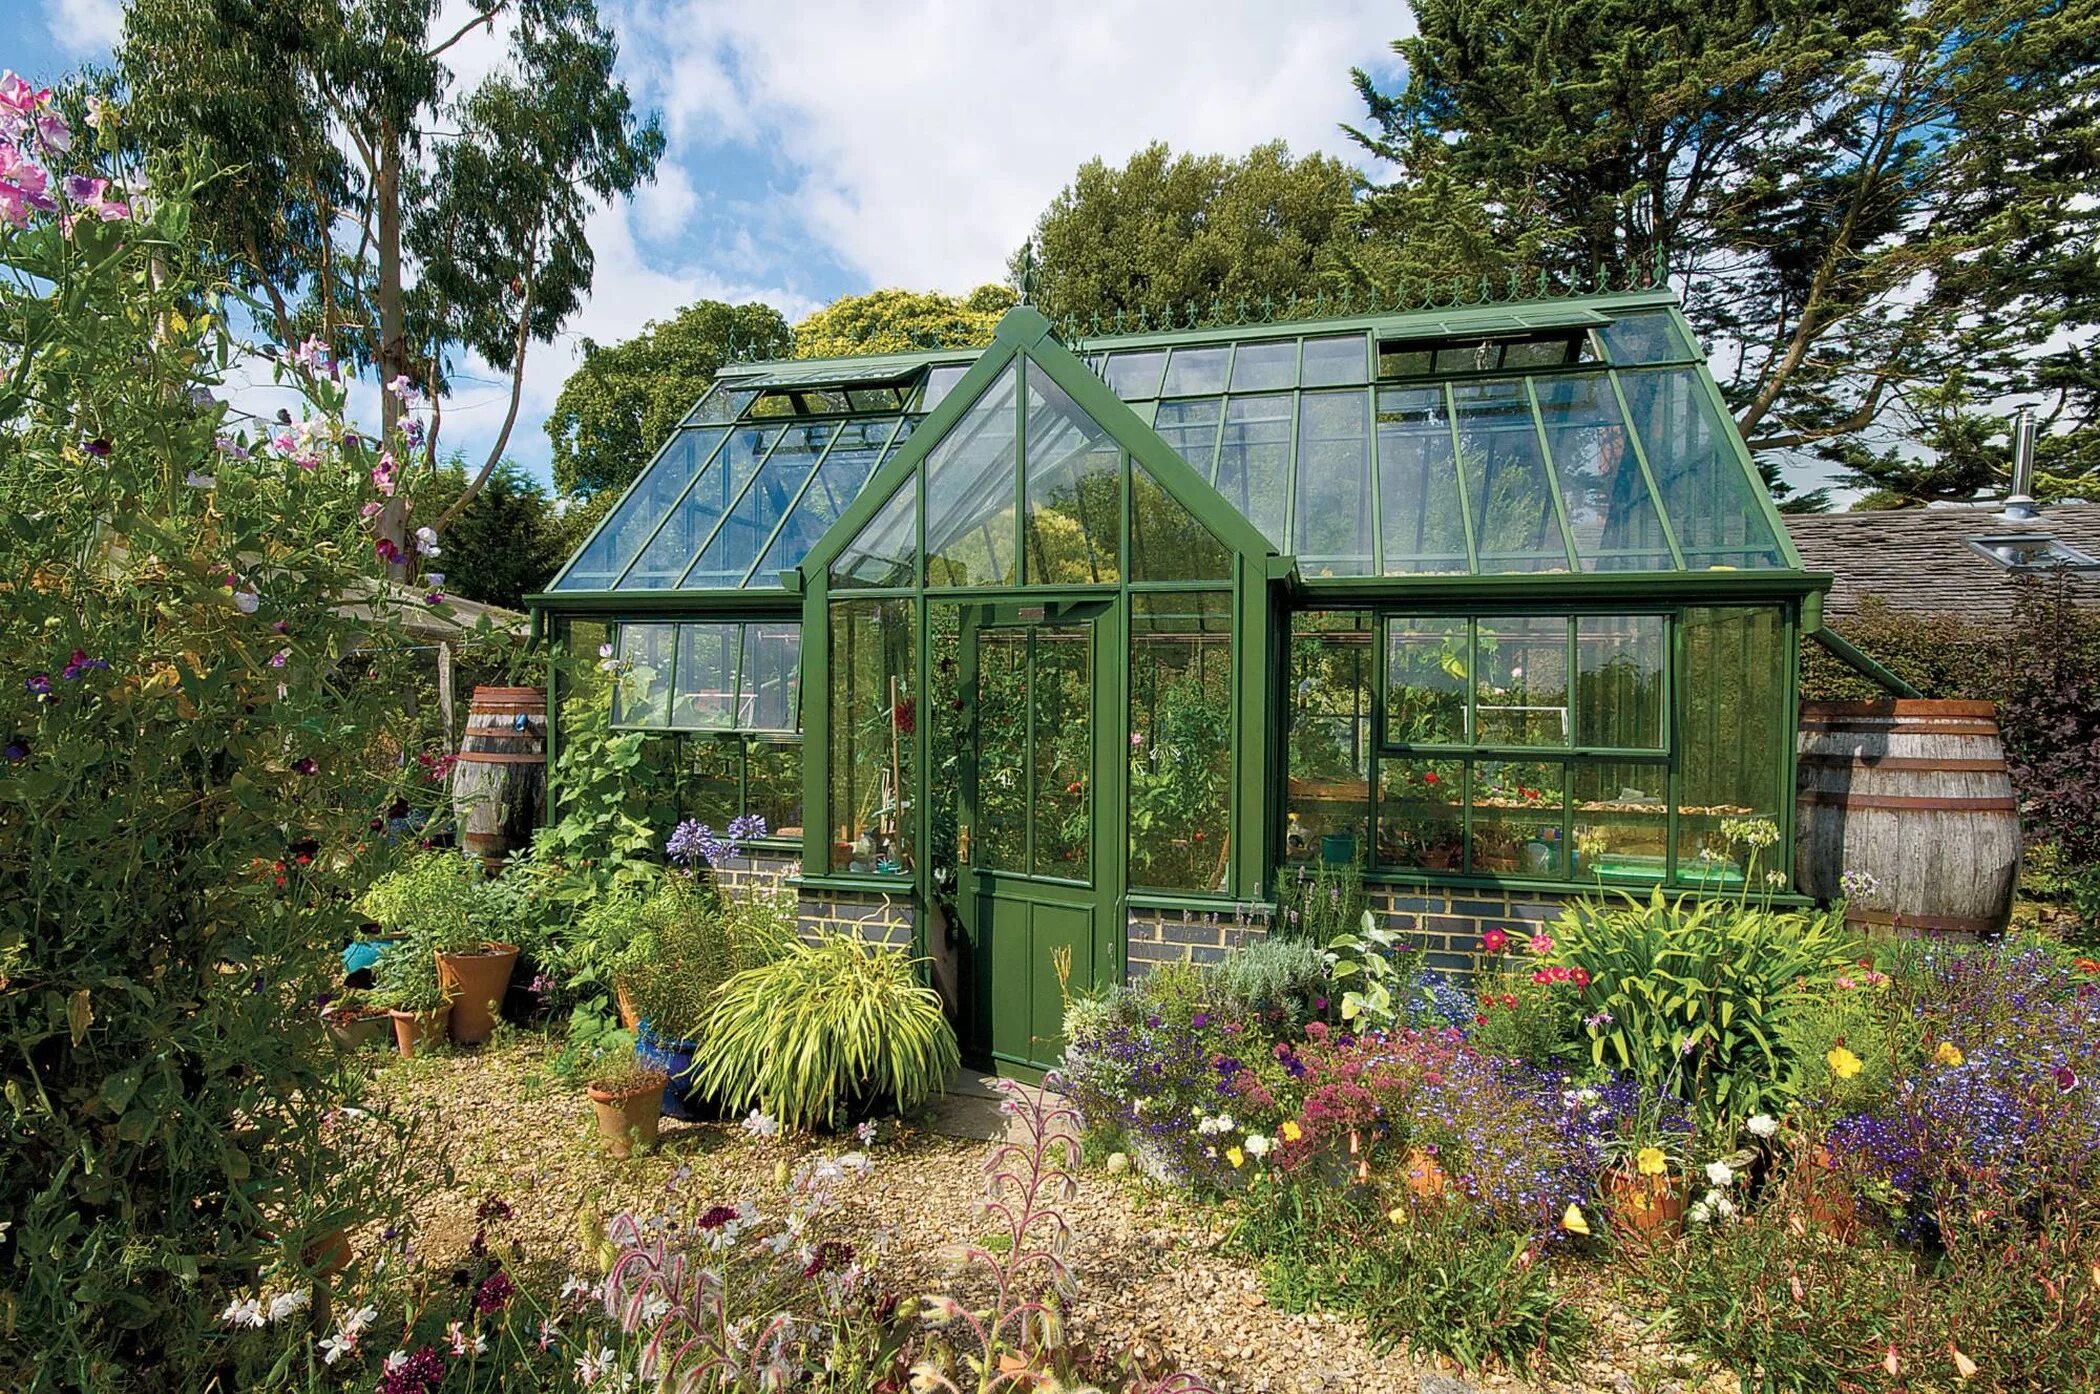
819, 148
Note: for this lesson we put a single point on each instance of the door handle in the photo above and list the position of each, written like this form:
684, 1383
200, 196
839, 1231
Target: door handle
962, 845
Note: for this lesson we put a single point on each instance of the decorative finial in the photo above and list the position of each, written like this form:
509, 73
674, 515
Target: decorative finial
1028, 272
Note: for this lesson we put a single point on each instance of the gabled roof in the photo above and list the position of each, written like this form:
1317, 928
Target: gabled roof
1939, 561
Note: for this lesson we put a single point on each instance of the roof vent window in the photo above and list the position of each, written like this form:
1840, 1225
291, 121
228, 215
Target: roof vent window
2033, 554
1416, 358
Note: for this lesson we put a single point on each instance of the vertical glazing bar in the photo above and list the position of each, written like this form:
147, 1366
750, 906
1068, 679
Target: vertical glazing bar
1458, 479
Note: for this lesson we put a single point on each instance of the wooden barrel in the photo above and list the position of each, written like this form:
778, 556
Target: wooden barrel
1915, 795
499, 783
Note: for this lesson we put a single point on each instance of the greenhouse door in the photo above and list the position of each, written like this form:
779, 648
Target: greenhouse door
1035, 846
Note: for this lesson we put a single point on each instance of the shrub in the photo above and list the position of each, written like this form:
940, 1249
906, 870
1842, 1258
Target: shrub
1320, 901
677, 951
1271, 977
406, 979
434, 899
826, 1033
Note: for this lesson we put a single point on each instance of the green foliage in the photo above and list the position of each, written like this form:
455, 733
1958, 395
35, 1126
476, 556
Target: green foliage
826, 1033
1856, 1015
431, 896
1318, 902
1537, 1023
624, 400
406, 979
1373, 971
611, 793
505, 543
1271, 975
898, 321
682, 943
1706, 992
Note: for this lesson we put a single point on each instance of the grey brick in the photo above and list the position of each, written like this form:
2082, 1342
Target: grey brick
1479, 907
1419, 902
1212, 935
1205, 955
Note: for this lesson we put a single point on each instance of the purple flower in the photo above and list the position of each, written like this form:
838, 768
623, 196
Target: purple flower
80, 663
1200, 1020
495, 1292
39, 687
98, 447
17, 750
2066, 1078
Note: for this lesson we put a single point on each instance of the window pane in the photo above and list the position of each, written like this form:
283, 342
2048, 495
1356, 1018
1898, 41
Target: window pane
1646, 336
1514, 527
1333, 362
665, 559
1707, 491
1610, 510
1254, 461
940, 382
1519, 814
1265, 367
1191, 427
710, 777
1001, 834
1180, 740
1521, 693
1619, 664
631, 521
1135, 376
1333, 516
1075, 491
773, 785
1482, 356
1166, 541
770, 693
1731, 739
751, 521
722, 405
707, 659
1425, 684
837, 480
1405, 360
873, 717
643, 694
885, 551
1063, 734
874, 398
971, 483
1333, 668
1192, 371
1421, 814
1422, 524
1621, 817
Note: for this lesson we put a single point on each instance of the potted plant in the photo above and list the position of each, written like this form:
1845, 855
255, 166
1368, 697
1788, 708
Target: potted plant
1643, 1182
442, 903
627, 1095
414, 996
354, 1020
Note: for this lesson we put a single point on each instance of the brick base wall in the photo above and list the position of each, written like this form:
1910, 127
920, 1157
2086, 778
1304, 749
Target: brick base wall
1446, 923
1189, 936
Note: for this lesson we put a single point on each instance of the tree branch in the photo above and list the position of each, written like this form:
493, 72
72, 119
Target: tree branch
487, 21
510, 416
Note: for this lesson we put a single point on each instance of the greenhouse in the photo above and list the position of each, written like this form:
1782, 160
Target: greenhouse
1057, 657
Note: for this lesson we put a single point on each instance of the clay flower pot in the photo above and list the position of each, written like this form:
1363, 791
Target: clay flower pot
628, 1117
1647, 1205
328, 1255
1828, 1202
354, 1030
1423, 1176
476, 983
412, 1029
629, 1017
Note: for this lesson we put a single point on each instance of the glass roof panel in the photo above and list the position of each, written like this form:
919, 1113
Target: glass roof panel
1421, 521
1707, 492
1074, 494
838, 479
1135, 376
692, 519
1194, 371
1515, 527
1265, 367
940, 381
1191, 427
1167, 543
1611, 513
970, 493
1254, 461
598, 565
1646, 336
742, 535
1332, 517
1335, 361
720, 406
885, 551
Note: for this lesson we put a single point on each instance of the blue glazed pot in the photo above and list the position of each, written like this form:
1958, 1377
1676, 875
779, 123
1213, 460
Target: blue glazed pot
674, 1058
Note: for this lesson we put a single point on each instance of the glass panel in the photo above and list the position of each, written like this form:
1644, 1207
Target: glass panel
665, 559
1405, 360
643, 694
769, 696
1610, 511
1619, 665
721, 405
1482, 356
1520, 695
1538, 353
1425, 696
1333, 362
1181, 725
744, 532
1063, 736
1135, 376
1514, 527
775, 404
885, 552
875, 398
1265, 367
707, 659
710, 778
950, 755
1254, 461
1166, 541
873, 719
837, 480
1646, 336
940, 382
1333, 517
1191, 427
1707, 491
1001, 834
1422, 814
1621, 817
1194, 371
1074, 526
970, 488
824, 401
773, 785
630, 522
1731, 738
1333, 667
1519, 815
1422, 524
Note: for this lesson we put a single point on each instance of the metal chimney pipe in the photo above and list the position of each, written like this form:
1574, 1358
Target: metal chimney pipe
2019, 504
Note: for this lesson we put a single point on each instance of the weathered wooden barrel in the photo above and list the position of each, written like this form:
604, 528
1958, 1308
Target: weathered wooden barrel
499, 783
1913, 799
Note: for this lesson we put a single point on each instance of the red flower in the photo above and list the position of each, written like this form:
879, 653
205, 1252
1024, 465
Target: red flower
1429, 778
1539, 975
1579, 976
903, 718
1480, 1021
1509, 1000
1494, 941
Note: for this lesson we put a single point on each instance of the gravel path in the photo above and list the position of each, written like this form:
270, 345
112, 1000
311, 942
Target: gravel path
1147, 1265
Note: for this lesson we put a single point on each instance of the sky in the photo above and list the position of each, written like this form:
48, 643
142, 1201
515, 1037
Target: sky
819, 148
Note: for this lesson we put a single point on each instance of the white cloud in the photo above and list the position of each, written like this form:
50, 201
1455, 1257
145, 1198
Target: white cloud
919, 140
85, 27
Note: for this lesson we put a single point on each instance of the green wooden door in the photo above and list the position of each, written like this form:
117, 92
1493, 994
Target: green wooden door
1039, 865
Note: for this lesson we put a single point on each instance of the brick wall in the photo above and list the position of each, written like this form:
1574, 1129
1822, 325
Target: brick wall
1185, 936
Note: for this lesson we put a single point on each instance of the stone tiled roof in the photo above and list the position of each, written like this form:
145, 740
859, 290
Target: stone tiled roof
1919, 559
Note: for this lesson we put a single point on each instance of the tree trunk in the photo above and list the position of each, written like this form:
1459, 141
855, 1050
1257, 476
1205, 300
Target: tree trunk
392, 522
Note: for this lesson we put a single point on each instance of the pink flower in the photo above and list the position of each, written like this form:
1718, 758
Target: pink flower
387, 550
1494, 941
1542, 943
19, 102
58, 136
92, 197
22, 187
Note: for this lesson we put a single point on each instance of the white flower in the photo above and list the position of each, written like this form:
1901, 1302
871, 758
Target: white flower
1723, 1206
654, 1308
397, 1360
427, 541
1225, 1123
580, 1288
1719, 1174
1762, 1125
761, 1125
286, 1303
595, 1366
200, 481
247, 602
1257, 1145
868, 1132
436, 578
1699, 1214
244, 1311
336, 1347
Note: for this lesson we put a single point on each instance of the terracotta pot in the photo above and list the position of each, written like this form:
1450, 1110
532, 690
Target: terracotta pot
412, 1029
629, 1017
1423, 1176
1828, 1202
328, 1255
1647, 1205
476, 983
354, 1031
628, 1118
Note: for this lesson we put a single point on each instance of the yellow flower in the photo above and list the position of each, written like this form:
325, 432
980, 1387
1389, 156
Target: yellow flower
1292, 1132
1650, 1161
1398, 1214
1236, 1157
1843, 1063
1571, 1219
1948, 1053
